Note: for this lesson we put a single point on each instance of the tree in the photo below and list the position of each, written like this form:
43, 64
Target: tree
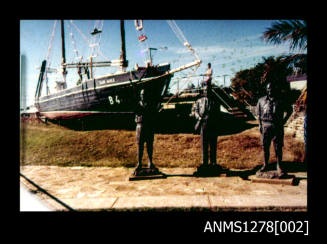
298, 62
249, 84
294, 31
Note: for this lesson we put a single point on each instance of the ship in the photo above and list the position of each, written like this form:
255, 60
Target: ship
108, 94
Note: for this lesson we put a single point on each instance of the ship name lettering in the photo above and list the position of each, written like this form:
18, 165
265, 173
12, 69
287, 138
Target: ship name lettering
110, 80
101, 82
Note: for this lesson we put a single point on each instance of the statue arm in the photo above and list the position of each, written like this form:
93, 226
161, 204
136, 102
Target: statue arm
138, 109
197, 111
258, 112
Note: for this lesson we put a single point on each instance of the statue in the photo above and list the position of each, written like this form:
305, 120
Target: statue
144, 117
207, 112
271, 110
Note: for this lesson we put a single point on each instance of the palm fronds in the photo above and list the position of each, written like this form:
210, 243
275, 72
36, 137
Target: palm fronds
294, 31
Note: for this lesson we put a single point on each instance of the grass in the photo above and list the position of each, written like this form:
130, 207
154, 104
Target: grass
52, 144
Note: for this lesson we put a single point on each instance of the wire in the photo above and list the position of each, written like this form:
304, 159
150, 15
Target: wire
178, 32
48, 56
74, 44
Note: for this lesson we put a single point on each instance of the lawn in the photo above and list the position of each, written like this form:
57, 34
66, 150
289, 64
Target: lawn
51, 144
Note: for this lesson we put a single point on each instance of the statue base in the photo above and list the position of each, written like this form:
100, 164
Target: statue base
209, 170
273, 174
147, 173
272, 177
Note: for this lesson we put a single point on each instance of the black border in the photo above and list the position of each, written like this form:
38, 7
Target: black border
164, 225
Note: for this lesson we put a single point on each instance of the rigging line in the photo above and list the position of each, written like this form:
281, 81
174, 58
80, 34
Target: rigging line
178, 32
98, 26
48, 55
145, 42
176, 94
95, 24
89, 27
92, 42
143, 45
51, 40
100, 36
93, 39
176, 83
186, 83
87, 40
74, 44
196, 75
96, 43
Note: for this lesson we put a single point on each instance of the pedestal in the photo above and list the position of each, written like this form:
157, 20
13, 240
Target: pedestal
146, 174
273, 174
273, 177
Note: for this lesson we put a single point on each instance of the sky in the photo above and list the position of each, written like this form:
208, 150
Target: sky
229, 45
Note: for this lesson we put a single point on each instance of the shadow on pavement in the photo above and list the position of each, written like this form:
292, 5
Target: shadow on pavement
288, 167
244, 174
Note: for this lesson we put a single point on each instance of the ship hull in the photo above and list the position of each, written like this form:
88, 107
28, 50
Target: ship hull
112, 94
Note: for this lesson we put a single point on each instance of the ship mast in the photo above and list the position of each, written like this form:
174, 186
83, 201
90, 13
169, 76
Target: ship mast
63, 62
124, 62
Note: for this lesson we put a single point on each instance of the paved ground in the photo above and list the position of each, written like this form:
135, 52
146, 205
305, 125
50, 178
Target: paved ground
97, 188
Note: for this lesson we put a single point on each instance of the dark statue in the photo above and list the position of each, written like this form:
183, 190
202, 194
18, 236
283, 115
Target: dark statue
271, 115
144, 117
207, 113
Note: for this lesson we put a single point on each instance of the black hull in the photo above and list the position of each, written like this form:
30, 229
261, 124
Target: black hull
114, 94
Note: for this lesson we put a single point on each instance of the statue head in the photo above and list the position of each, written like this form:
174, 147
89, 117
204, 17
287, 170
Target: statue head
142, 95
271, 90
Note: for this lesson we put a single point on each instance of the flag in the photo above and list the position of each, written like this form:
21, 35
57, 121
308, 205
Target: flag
142, 38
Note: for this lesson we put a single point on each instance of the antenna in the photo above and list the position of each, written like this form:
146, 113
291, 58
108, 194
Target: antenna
149, 52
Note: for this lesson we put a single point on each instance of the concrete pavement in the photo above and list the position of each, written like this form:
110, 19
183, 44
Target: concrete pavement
87, 189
